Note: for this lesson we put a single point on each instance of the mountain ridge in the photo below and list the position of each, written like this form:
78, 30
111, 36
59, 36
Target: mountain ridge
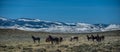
28, 24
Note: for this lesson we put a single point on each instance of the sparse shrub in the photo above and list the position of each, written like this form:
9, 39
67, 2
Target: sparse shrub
29, 45
41, 50
38, 45
19, 46
58, 50
50, 46
3, 46
10, 47
81, 48
63, 46
27, 50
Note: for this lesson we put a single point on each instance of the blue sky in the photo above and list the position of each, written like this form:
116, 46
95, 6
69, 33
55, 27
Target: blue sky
86, 11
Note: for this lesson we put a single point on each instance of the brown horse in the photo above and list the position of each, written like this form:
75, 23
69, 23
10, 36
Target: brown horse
60, 39
36, 39
102, 37
97, 38
55, 40
74, 38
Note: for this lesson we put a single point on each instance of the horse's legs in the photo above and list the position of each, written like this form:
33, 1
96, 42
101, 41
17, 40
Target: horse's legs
88, 39
51, 42
34, 40
57, 41
77, 39
92, 39
103, 38
97, 39
100, 39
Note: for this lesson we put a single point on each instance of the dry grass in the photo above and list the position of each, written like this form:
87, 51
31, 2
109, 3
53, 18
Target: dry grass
21, 41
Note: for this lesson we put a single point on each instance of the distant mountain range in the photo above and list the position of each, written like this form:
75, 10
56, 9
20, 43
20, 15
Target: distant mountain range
59, 27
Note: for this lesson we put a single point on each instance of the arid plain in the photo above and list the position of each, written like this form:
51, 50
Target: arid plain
12, 40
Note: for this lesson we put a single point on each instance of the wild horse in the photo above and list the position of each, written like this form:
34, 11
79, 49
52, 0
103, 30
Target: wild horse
36, 39
97, 38
74, 38
55, 40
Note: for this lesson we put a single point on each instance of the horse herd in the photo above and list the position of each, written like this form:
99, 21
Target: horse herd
57, 40
97, 38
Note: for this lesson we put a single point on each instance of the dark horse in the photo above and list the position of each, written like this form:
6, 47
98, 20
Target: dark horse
88, 37
93, 38
74, 38
102, 37
97, 38
55, 40
60, 39
35, 39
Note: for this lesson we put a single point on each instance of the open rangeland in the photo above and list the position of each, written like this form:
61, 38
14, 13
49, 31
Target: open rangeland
12, 40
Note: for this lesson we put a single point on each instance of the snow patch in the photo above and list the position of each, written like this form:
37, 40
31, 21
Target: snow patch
112, 27
34, 20
4, 19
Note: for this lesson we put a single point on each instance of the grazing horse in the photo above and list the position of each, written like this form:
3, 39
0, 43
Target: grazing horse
54, 39
74, 38
36, 38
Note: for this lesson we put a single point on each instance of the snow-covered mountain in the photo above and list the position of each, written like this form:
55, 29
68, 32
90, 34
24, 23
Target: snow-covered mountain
60, 27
